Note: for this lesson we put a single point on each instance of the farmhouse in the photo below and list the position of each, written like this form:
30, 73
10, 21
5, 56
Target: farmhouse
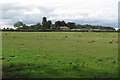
64, 28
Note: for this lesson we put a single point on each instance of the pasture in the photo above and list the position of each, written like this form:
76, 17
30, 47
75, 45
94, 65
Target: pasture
60, 54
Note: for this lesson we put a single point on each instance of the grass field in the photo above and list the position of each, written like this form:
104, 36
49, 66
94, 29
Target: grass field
60, 54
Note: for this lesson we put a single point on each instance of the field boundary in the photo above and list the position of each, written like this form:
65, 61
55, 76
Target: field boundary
53, 31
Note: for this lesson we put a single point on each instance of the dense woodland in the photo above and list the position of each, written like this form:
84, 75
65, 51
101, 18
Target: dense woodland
60, 25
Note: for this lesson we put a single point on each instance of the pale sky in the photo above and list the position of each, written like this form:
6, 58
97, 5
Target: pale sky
94, 12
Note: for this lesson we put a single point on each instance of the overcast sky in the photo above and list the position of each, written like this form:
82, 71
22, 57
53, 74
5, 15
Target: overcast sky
94, 12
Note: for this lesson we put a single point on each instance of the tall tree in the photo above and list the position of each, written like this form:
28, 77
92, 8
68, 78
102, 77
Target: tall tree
18, 24
57, 24
49, 24
44, 23
63, 23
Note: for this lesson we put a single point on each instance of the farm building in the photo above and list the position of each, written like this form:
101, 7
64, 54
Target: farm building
64, 28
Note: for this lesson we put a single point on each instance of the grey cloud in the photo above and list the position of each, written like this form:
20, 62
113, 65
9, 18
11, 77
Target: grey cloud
15, 12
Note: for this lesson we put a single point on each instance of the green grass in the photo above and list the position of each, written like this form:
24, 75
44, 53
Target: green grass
60, 54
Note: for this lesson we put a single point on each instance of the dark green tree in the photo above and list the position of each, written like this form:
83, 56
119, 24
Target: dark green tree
57, 24
44, 23
18, 24
63, 23
31, 27
71, 25
37, 26
118, 30
25, 26
49, 24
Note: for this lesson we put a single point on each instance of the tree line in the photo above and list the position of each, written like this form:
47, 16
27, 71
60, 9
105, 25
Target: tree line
45, 25
48, 25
